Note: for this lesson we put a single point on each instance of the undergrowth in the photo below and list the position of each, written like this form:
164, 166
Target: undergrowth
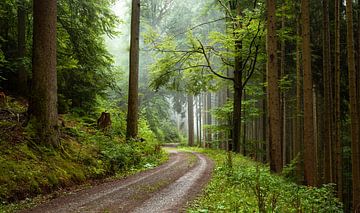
248, 186
28, 168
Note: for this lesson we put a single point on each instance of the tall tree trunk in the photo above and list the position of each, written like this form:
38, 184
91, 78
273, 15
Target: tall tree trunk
200, 121
353, 106
337, 101
273, 91
133, 102
208, 119
22, 73
298, 142
326, 83
309, 137
244, 131
43, 104
191, 120
265, 157
283, 95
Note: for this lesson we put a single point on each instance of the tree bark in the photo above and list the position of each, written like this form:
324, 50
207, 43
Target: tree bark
133, 102
190, 120
22, 73
283, 95
299, 127
43, 103
353, 106
326, 83
273, 91
337, 101
309, 138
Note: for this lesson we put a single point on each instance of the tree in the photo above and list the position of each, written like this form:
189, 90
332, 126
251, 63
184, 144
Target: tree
22, 73
327, 94
191, 120
273, 90
309, 142
43, 104
132, 116
354, 114
337, 100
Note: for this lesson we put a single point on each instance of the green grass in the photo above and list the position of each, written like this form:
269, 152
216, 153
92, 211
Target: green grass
249, 187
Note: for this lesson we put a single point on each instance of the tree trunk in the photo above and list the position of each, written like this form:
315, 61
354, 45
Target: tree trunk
133, 102
190, 120
43, 104
309, 138
244, 129
208, 119
353, 106
298, 142
326, 83
200, 121
337, 101
273, 91
283, 95
22, 73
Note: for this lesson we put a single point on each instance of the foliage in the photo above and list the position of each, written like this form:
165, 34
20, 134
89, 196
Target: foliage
250, 187
85, 65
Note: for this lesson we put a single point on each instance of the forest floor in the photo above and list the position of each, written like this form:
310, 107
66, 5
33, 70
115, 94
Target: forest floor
166, 188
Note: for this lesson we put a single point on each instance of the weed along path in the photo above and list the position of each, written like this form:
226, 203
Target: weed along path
166, 188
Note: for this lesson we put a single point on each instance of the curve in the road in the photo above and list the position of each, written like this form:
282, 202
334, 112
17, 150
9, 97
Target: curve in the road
166, 188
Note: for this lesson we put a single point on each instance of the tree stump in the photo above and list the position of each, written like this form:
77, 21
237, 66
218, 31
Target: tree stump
2, 99
104, 122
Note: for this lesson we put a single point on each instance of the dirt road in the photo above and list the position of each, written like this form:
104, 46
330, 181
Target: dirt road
164, 189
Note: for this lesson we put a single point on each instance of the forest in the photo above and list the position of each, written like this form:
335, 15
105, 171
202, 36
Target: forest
179, 106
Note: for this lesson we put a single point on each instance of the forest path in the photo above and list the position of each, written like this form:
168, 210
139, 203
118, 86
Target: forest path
166, 188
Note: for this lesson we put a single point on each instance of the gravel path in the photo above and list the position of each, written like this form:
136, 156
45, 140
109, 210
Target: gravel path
166, 188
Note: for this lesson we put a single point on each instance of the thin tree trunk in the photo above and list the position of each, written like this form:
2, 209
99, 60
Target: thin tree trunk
337, 101
243, 147
309, 138
327, 105
43, 103
353, 106
190, 120
283, 98
209, 119
273, 91
298, 142
200, 121
265, 157
197, 120
133, 102
22, 73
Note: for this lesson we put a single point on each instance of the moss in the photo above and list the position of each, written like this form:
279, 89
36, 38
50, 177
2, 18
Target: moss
28, 168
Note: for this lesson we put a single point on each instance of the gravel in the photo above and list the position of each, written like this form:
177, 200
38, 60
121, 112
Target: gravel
166, 188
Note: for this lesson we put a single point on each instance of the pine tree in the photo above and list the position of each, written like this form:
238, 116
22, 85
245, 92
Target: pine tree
43, 103
273, 91
133, 102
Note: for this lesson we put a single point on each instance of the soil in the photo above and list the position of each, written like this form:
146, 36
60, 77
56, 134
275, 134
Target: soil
166, 188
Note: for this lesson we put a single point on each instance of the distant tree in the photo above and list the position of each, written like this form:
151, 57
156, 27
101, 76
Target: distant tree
22, 72
327, 94
354, 108
43, 104
191, 120
132, 116
337, 100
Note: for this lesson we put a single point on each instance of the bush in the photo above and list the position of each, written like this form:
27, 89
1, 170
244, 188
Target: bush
248, 186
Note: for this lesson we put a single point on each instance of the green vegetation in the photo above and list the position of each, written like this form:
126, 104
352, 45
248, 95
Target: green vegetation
28, 168
250, 187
